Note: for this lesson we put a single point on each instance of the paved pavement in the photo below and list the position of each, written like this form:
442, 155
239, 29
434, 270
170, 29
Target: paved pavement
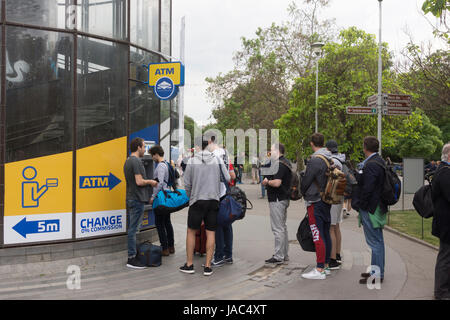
409, 268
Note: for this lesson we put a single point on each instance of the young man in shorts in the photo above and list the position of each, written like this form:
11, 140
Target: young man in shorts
202, 184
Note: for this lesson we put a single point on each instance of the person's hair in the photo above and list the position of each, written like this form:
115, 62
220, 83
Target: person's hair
445, 152
280, 147
157, 150
371, 144
205, 143
135, 144
318, 140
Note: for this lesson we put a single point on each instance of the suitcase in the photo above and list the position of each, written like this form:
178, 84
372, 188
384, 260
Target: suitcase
149, 254
200, 241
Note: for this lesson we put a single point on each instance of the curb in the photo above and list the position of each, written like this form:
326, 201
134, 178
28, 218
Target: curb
404, 235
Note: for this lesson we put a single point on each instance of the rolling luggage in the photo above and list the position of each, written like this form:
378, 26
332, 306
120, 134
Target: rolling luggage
200, 241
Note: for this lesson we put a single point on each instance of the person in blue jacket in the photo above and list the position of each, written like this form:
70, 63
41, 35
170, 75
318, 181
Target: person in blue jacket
372, 210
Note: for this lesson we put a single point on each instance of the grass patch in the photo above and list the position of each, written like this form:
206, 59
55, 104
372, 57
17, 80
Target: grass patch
410, 222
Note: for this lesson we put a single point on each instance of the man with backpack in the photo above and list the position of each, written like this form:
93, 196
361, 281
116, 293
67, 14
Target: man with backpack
278, 186
313, 185
162, 220
441, 224
372, 209
202, 180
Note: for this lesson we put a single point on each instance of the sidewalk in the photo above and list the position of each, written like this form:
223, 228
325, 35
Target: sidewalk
409, 268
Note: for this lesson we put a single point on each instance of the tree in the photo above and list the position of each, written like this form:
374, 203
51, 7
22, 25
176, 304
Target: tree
347, 77
265, 67
419, 137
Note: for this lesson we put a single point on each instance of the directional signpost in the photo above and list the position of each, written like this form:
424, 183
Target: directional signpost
392, 105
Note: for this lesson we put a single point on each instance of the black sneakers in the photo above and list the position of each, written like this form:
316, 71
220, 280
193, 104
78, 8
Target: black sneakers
187, 269
273, 261
207, 271
135, 264
338, 257
334, 265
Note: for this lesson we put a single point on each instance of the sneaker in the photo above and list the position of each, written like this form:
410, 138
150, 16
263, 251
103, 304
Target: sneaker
274, 261
207, 271
215, 263
315, 274
334, 265
286, 260
187, 269
135, 264
327, 271
229, 260
338, 258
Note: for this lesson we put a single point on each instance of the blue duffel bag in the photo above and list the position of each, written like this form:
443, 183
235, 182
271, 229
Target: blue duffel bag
229, 211
168, 201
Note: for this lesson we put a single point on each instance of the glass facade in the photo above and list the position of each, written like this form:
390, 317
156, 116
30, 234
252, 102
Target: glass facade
72, 96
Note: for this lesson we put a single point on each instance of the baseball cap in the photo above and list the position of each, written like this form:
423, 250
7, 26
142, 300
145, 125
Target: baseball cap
332, 146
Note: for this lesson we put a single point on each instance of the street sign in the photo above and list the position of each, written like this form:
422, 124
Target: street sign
396, 111
361, 110
402, 97
398, 104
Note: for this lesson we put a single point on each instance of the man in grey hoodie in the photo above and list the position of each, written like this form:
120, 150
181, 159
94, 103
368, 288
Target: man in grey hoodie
313, 183
202, 180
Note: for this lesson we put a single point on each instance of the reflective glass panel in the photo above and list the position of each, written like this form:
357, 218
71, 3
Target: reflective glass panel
145, 23
46, 13
39, 101
144, 105
106, 18
102, 91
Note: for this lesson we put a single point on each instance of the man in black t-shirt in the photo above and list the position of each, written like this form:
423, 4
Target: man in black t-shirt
136, 196
277, 182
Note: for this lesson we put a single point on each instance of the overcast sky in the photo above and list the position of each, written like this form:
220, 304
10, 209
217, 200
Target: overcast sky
214, 29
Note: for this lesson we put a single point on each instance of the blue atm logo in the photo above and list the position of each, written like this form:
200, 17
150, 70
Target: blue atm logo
98, 182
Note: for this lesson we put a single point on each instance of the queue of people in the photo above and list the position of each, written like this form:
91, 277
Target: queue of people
208, 172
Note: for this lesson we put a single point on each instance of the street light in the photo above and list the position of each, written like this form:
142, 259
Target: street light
317, 50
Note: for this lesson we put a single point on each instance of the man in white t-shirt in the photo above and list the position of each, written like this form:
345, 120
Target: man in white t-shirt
224, 234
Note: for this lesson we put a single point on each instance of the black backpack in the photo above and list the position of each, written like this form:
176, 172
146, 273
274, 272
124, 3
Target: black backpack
422, 201
294, 187
304, 235
392, 185
237, 194
173, 176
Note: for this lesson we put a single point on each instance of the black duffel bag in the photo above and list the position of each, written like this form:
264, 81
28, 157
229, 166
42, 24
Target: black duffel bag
304, 235
422, 202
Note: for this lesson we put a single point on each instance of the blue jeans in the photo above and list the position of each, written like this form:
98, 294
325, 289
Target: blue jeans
375, 240
224, 243
165, 230
135, 214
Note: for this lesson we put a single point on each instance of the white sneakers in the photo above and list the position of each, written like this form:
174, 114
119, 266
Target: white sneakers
315, 274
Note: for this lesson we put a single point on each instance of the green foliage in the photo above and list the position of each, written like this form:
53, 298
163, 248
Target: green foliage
418, 137
347, 77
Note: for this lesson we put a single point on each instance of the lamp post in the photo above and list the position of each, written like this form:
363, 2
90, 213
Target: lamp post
379, 106
317, 50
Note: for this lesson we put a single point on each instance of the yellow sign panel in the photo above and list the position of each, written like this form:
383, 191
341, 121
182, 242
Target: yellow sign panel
172, 70
39, 186
101, 183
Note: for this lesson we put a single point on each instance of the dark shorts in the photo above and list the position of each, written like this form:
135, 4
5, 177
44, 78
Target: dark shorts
203, 210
